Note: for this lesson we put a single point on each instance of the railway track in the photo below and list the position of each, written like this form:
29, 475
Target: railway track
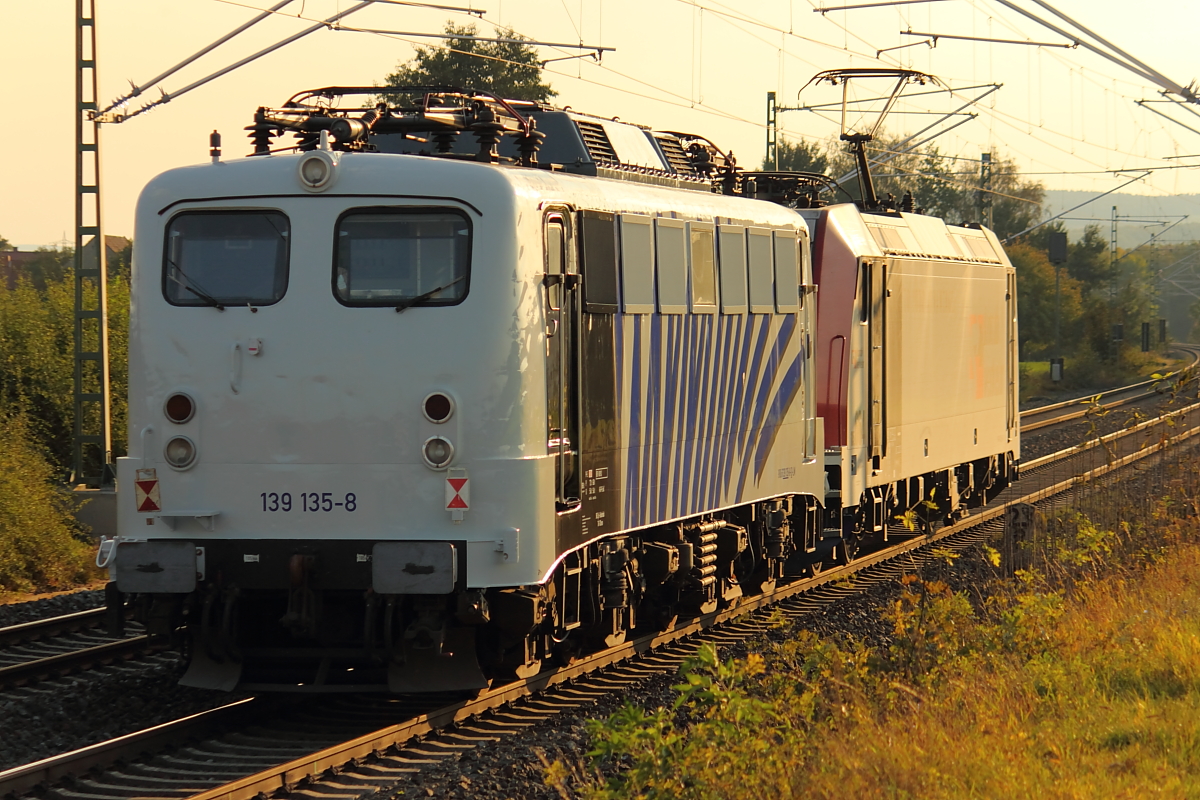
57, 646
1066, 411
257, 747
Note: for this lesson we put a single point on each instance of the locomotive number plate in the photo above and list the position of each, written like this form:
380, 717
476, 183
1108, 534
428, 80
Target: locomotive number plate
306, 502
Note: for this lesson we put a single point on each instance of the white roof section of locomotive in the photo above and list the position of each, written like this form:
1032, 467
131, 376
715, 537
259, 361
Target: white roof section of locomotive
446, 180
931, 236
258, 178
631, 197
848, 221
912, 235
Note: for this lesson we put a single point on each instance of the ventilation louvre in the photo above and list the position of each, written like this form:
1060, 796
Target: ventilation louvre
597, 143
676, 157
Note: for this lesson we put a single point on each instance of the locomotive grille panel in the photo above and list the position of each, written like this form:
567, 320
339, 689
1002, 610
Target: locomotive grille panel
597, 143
678, 159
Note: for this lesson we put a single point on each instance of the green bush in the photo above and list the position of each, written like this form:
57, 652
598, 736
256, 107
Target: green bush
41, 546
36, 362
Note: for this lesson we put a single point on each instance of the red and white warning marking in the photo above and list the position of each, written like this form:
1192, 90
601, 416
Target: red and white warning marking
458, 494
146, 491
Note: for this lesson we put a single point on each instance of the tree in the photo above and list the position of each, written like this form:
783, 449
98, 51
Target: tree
1036, 302
511, 70
41, 546
5, 244
1089, 262
50, 265
36, 362
798, 157
945, 190
932, 181
1016, 203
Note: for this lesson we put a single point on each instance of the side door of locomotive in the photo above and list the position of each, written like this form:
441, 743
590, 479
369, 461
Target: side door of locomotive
1011, 356
581, 301
561, 286
872, 309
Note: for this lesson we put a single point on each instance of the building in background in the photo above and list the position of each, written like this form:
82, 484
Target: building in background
48, 263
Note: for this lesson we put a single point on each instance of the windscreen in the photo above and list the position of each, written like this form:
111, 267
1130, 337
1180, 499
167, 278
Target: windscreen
389, 257
220, 258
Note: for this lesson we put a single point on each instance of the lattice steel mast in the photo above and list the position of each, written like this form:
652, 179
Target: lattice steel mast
91, 462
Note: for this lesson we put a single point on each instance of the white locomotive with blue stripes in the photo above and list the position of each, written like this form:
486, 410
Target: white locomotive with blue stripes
414, 412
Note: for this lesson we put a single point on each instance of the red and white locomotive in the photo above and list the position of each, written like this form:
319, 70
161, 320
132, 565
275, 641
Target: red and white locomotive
917, 368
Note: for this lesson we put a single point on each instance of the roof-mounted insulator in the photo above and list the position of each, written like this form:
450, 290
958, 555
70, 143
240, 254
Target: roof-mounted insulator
701, 159
909, 203
214, 144
260, 133
307, 141
487, 132
729, 175
528, 144
445, 140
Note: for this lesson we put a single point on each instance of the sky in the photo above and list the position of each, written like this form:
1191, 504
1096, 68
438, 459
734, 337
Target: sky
1067, 116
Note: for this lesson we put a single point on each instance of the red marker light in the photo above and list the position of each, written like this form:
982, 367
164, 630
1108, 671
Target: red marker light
179, 408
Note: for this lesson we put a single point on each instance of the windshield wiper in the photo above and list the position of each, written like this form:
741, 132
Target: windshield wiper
203, 295
412, 301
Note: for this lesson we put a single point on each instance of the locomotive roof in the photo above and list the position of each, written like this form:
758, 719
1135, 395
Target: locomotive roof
904, 234
365, 175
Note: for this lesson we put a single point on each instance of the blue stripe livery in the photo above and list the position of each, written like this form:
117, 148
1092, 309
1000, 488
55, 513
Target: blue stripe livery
703, 401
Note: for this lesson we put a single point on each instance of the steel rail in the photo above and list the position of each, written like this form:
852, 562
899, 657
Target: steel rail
66, 663
51, 626
1028, 427
103, 754
1091, 444
1192, 350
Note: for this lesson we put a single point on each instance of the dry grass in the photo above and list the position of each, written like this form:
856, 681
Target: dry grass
1095, 697
1084, 686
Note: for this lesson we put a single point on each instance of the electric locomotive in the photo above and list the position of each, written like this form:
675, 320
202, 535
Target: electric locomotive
412, 412
917, 377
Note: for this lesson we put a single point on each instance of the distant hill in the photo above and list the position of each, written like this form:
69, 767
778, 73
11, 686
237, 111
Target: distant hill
1144, 207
